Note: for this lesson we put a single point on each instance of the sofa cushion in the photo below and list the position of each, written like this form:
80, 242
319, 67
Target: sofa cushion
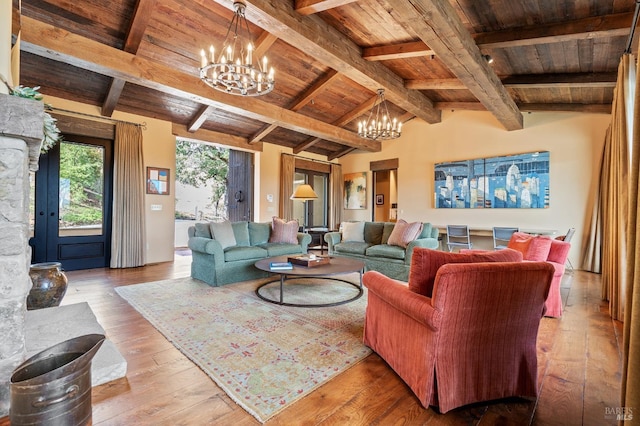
534, 248
241, 232
284, 232
202, 230
259, 233
387, 229
353, 231
352, 247
279, 249
244, 253
403, 233
426, 262
223, 233
373, 232
386, 250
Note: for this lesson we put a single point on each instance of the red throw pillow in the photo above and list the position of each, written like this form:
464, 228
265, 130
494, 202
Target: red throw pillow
284, 232
535, 248
403, 233
426, 262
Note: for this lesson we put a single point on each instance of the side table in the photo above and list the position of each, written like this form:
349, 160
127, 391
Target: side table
319, 233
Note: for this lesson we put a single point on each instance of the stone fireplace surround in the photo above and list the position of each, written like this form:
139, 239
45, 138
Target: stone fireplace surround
24, 333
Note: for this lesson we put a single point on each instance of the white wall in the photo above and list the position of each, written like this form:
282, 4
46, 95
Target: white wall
574, 140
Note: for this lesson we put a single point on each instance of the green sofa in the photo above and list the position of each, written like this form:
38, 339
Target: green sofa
217, 266
392, 261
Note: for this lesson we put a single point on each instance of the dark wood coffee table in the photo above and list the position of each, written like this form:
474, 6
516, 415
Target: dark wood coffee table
336, 266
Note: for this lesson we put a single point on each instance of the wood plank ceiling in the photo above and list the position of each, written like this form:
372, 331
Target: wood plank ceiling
330, 57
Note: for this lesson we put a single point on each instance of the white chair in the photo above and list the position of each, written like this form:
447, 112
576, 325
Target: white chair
502, 235
567, 238
458, 236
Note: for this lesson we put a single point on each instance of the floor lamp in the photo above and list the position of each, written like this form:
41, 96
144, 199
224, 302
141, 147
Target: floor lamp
304, 193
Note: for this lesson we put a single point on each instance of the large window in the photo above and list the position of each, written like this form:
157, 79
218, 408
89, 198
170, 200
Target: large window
314, 211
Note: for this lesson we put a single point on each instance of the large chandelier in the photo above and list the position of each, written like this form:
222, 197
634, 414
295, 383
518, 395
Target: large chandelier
234, 70
379, 124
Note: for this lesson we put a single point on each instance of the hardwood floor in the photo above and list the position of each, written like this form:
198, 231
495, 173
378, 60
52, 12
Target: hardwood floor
578, 356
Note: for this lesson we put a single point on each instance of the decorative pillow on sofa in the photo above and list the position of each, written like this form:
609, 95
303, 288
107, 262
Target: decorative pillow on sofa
534, 248
353, 231
284, 232
223, 233
426, 262
403, 233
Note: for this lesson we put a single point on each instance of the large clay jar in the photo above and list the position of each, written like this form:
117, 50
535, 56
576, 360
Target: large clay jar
49, 285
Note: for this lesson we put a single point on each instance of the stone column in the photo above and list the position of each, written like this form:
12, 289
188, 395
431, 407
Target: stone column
21, 123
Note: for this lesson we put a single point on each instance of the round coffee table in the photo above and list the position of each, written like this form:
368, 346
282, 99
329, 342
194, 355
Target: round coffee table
336, 266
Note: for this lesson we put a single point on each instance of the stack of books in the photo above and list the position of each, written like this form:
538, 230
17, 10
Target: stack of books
280, 266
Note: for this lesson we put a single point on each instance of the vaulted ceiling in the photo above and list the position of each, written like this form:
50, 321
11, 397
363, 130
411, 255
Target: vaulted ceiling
330, 57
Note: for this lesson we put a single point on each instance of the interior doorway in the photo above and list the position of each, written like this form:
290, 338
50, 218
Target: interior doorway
385, 190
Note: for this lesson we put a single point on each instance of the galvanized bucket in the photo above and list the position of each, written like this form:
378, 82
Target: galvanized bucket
53, 387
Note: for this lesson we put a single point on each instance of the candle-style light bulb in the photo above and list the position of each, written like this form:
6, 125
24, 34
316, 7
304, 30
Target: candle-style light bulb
203, 59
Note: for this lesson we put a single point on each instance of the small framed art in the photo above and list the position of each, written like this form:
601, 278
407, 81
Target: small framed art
158, 181
379, 199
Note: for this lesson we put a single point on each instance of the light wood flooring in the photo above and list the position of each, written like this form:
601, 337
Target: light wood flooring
578, 356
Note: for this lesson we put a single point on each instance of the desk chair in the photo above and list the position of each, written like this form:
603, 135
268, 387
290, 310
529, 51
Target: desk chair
458, 236
502, 235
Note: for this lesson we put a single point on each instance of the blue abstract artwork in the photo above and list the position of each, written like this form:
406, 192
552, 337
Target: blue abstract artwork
519, 181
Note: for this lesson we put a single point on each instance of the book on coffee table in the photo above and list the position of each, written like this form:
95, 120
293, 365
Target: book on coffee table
279, 266
308, 261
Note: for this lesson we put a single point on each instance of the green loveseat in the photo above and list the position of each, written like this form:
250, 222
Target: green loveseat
392, 261
217, 266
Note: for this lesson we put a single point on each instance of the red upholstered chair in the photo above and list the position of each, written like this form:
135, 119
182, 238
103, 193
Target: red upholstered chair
474, 340
543, 248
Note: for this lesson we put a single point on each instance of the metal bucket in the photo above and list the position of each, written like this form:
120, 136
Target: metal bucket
53, 387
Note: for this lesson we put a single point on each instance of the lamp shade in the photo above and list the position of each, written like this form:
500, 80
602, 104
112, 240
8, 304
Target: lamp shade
303, 193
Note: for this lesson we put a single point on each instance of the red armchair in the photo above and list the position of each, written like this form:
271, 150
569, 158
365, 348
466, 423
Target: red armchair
474, 340
542, 248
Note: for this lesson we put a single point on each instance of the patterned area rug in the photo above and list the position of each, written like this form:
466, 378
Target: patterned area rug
264, 356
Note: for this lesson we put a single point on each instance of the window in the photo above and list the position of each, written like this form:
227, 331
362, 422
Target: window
315, 211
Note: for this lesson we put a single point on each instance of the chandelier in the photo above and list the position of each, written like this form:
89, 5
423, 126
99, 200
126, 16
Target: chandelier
234, 70
379, 124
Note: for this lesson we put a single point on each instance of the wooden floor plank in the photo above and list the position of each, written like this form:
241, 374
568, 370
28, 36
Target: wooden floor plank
578, 359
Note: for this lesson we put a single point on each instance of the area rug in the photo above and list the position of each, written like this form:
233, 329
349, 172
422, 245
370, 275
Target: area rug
264, 356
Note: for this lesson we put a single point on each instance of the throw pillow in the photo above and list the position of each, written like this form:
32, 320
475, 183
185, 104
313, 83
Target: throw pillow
386, 232
223, 233
241, 232
353, 231
534, 248
403, 233
284, 232
259, 232
426, 262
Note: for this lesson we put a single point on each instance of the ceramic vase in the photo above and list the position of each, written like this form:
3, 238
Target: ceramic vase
49, 285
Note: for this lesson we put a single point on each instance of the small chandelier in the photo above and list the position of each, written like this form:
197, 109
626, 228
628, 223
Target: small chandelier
234, 71
379, 124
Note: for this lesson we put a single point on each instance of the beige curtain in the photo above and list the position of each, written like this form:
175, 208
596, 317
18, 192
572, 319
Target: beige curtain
631, 343
288, 167
337, 185
614, 196
128, 230
592, 260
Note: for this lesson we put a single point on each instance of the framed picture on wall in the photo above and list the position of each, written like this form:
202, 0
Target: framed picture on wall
157, 181
355, 191
379, 199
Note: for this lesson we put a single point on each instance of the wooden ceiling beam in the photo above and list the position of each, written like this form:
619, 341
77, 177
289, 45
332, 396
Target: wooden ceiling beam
615, 25
531, 107
263, 43
263, 132
313, 36
199, 118
137, 27
438, 26
411, 49
339, 154
45, 40
309, 7
528, 81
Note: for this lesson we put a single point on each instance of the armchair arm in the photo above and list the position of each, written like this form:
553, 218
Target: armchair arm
332, 238
430, 243
396, 294
304, 240
207, 246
